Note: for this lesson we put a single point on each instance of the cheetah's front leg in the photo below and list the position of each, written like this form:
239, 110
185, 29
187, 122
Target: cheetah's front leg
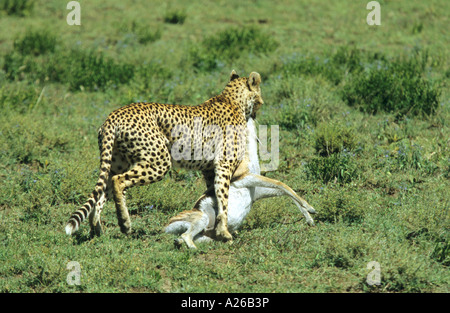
221, 188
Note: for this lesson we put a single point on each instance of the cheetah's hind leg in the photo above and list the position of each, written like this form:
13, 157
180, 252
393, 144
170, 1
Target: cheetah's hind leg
118, 166
141, 173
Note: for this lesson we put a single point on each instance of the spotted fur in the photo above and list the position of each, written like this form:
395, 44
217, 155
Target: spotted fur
137, 147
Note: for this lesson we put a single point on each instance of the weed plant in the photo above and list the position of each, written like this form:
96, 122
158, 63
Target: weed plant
400, 87
35, 43
175, 17
331, 138
338, 167
17, 7
231, 44
80, 69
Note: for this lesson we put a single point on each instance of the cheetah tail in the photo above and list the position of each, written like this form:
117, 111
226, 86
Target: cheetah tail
106, 137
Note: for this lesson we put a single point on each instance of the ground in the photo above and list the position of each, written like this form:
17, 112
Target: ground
377, 175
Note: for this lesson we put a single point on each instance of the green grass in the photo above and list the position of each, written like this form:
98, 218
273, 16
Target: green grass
16, 7
175, 17
35, 42
364, 137
230, 44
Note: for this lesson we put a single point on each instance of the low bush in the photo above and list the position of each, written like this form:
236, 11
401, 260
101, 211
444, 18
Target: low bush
144, 33
95, 71
331, 138
441, 251
333, 68
80, 69
298, 118
398, 87
35, 43
405, 156
17, 7
338, 167
175, 17
147, 35
338, 204
372, 82
22, 98
231, 44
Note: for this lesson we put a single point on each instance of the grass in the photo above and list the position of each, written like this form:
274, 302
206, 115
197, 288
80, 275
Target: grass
364, 138
175, 17
16, 7
35, 42
396, 87
214, 51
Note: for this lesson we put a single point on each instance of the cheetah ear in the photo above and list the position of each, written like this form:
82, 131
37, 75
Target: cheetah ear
233, 75
253, 81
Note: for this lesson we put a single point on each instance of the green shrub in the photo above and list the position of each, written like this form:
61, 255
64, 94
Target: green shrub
175, 17
372, 82
51, 67
396, 87
331, 138
144, 33
231, 44
338, 204
14, 65
21, 98
296, 119
338, 167
80, 69
405, 157
297, 107
147, 35
17, 7
402, 277
333, 68
93, 70
147, 73
35, 42
441, 251
25, 140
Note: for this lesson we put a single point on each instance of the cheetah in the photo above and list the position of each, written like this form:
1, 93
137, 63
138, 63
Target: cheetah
247, 186
140, 142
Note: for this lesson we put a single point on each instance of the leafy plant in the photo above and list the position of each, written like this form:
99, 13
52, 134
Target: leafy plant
21, 99
331, 138
338, 204
441, 251
93, 70
231, 44
80, 69
145, 34
398, 87
333, 67
175, 17
338, 167
35, 43
17, 7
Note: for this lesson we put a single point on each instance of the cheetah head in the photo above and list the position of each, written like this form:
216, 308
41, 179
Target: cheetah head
247, 91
